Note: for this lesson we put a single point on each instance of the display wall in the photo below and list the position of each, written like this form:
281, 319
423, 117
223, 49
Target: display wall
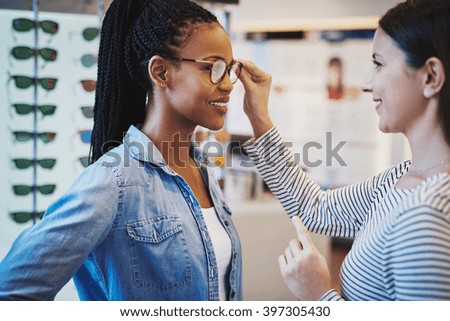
64, 135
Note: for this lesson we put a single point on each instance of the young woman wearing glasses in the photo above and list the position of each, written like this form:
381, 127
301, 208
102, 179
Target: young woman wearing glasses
147, 220
400, 219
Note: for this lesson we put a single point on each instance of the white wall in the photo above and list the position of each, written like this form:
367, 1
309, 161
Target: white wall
286, 9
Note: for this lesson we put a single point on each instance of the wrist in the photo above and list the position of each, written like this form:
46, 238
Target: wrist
261, 126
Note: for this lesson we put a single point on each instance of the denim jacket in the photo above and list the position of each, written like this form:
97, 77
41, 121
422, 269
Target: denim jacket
129, 228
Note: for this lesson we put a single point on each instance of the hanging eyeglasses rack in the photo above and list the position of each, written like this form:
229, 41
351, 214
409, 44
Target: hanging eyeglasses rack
35, 106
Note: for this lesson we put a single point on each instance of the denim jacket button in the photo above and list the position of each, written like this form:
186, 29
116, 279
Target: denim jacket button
226, 223
232, 294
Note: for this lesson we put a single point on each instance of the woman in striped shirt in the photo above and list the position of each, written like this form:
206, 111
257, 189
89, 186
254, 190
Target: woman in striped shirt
400, 219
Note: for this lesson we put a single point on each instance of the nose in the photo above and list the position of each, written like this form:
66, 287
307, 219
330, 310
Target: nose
366, 85
226, 84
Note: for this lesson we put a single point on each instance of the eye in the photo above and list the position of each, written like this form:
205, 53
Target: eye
209, 66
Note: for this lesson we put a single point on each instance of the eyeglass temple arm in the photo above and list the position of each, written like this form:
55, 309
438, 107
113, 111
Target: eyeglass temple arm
194, 60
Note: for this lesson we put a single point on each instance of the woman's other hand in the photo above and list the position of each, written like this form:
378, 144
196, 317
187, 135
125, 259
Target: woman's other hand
303, 268
256, 100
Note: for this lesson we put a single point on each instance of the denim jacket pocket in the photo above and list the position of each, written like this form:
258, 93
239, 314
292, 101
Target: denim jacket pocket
158, 251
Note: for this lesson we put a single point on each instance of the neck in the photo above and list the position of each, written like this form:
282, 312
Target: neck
430, 151
172, 141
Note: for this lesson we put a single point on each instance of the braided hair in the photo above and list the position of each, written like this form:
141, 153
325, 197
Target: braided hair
133, 31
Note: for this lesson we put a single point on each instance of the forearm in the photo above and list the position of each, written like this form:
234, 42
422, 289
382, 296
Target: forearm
338, 212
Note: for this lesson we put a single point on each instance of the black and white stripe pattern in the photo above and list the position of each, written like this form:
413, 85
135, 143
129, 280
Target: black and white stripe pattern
402, 237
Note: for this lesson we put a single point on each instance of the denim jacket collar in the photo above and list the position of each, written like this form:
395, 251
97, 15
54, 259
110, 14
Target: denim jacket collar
141, 147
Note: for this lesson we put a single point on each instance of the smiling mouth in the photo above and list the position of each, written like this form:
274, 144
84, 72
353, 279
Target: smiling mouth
219, 106
218, 103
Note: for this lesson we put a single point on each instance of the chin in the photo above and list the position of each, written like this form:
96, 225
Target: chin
214, 126
383, 129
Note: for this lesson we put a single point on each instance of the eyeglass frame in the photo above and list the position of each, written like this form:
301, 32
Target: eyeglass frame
211, 63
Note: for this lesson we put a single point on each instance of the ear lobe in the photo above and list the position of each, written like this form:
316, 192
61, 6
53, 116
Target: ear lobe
157, 70
435, 74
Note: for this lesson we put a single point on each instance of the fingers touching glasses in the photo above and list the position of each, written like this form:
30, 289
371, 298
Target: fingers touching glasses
218, 69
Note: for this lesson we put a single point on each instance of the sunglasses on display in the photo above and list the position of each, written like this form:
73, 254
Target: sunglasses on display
24, 109
89, 60
88, 84
24, 82
90, 34
23, 136
24, 163
24, 217
22, 190
24, 25
23, 53
88, 111
218, 69
84, 161
85, 135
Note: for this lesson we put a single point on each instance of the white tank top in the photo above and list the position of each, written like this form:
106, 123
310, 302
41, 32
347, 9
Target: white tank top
222, 249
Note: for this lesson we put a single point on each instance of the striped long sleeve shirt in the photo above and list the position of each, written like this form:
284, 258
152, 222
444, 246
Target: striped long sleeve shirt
401, 248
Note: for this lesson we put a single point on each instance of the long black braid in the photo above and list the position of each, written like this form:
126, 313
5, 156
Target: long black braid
133, 31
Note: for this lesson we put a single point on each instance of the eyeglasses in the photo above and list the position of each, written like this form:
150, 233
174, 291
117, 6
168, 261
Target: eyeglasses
24, 82
219, 68
23, 53
24, 163
23, 217
88, 111
23, 190
24, 109
88, 60
85, 135
23, 25
90, 33
23, 136
88, 84
84, 161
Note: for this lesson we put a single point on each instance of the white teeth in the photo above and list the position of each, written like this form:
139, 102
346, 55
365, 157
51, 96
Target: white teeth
216, 103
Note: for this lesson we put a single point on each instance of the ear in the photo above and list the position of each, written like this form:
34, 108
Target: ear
157, 70
435, 77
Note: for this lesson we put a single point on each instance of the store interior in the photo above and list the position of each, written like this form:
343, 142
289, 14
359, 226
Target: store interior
317, 51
